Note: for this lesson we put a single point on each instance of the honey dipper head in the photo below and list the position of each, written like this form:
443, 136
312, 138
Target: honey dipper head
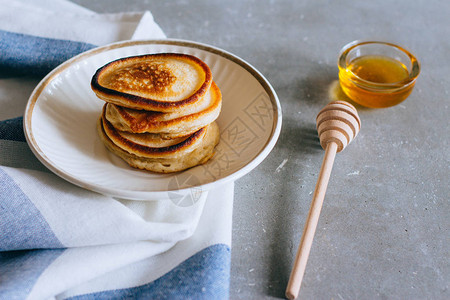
338, 122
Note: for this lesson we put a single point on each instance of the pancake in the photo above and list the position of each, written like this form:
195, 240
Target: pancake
168, 125
164, 82
166, 159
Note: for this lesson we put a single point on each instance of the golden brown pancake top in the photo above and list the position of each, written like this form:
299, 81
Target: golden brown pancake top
149, 78
159, 82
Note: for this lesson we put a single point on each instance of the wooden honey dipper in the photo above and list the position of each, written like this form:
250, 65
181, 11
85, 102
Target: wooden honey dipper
337, 124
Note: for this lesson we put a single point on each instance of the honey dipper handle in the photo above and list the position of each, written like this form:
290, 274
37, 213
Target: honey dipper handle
309, 230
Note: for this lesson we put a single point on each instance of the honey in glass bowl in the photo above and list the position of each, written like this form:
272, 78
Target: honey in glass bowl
377, 74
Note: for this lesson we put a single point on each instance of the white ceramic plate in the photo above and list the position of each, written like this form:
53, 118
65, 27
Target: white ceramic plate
61, 115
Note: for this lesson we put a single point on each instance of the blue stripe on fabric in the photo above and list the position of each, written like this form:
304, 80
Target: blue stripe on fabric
12, 130
19, 271
22, 226
23, 54
205, 275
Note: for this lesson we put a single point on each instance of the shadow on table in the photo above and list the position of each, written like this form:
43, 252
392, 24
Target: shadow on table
300, 140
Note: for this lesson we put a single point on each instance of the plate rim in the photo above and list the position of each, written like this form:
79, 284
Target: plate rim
145, 195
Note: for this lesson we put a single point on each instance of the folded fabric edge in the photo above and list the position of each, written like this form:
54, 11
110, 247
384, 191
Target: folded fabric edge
204, 275
138, 273
58, 23
142, 29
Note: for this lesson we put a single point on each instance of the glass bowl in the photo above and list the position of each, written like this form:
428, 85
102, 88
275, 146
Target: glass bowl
377, 74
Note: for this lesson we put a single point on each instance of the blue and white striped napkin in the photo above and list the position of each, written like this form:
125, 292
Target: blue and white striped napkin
59, 241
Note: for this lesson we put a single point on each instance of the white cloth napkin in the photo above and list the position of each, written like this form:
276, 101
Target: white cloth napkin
77, 243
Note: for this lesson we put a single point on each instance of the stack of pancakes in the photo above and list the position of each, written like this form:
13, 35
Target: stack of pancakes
160, 110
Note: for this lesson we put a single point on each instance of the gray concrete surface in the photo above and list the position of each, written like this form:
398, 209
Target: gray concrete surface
384, 229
